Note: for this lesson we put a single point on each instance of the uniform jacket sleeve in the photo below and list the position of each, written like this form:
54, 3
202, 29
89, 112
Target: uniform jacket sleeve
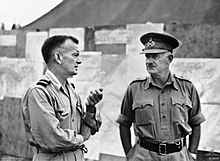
93, 121
126, 116
195, 115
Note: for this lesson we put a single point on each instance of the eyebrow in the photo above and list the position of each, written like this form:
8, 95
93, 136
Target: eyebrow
76, 53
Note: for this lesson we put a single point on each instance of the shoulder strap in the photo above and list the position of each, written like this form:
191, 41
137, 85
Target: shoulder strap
182, 78
43, 82
73, 85
139, 80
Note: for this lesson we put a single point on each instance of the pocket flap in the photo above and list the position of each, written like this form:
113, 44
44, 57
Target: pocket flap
63, 111
181, 101
142, 103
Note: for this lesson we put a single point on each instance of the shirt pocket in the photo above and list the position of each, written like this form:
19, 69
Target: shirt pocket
180, 108
144, 112
62, 113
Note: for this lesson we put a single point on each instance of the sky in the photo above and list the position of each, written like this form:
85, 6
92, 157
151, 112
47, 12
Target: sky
24, 12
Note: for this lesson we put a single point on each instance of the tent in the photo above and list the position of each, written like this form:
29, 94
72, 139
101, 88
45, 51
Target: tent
90, 13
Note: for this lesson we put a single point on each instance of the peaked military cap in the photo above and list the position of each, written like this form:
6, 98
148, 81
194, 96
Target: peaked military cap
158, 43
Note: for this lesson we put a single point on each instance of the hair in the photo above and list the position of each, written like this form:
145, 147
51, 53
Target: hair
52, 43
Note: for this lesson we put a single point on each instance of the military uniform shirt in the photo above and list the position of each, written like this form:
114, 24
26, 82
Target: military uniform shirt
53, 123
161, 114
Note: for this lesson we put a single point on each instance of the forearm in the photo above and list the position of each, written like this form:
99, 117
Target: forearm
93, 121
194, 138
46, 127
57, 139
125, 135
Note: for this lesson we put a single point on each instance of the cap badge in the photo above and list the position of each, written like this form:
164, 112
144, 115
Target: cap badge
150, 43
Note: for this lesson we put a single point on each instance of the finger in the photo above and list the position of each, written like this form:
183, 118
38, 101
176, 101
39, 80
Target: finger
95, 94
95, 97
92, 92
91, 100
99, 93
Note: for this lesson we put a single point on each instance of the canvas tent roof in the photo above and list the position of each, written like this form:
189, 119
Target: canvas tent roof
85, 13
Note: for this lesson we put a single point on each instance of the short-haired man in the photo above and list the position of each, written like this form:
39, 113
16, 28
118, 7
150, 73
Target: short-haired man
55, 121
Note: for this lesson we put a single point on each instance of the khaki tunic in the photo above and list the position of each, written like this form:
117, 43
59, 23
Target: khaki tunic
52, 120
161, 114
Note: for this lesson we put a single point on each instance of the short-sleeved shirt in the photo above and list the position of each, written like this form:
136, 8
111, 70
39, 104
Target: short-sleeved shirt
161, 114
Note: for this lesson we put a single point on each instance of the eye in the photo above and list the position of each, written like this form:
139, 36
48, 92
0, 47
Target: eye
156, 56
75, 54
147, 56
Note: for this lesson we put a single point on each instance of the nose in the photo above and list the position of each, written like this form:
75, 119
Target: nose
78, 61
148, 60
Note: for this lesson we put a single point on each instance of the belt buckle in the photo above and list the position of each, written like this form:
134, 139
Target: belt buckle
162, 149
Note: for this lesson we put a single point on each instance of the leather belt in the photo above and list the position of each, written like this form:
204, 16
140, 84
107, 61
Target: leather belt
81, 147
163, 148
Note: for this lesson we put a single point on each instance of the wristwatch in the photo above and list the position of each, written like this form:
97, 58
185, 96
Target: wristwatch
193, 155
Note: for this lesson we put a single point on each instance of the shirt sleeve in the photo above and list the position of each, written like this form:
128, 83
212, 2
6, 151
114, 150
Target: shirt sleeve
195, 115
126, 116
93, 121
45, 127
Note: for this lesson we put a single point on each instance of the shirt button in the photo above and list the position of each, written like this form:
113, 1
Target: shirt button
164, 116
162, 104
162, 92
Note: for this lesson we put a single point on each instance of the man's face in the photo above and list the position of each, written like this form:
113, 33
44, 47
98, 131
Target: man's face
157, 63
70, 58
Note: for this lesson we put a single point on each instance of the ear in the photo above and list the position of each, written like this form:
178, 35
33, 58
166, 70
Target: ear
170, 57
58, 57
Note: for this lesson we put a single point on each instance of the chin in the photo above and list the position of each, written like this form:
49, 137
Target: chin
151, 71
72, 74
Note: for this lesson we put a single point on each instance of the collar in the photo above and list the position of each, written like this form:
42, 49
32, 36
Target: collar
171, 81
53, 79
174, 82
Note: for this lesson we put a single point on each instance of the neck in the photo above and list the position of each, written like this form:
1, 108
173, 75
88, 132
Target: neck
161, 78
62, 79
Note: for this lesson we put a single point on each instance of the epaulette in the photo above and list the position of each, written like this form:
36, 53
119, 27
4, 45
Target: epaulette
73, 86
139, 80
182, 78
43, 82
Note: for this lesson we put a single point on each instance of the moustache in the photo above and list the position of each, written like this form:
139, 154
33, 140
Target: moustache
150, 65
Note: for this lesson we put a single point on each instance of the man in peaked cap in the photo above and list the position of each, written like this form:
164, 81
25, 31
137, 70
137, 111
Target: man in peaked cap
163, 108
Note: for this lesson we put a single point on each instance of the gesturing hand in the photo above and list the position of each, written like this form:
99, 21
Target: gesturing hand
94, 97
